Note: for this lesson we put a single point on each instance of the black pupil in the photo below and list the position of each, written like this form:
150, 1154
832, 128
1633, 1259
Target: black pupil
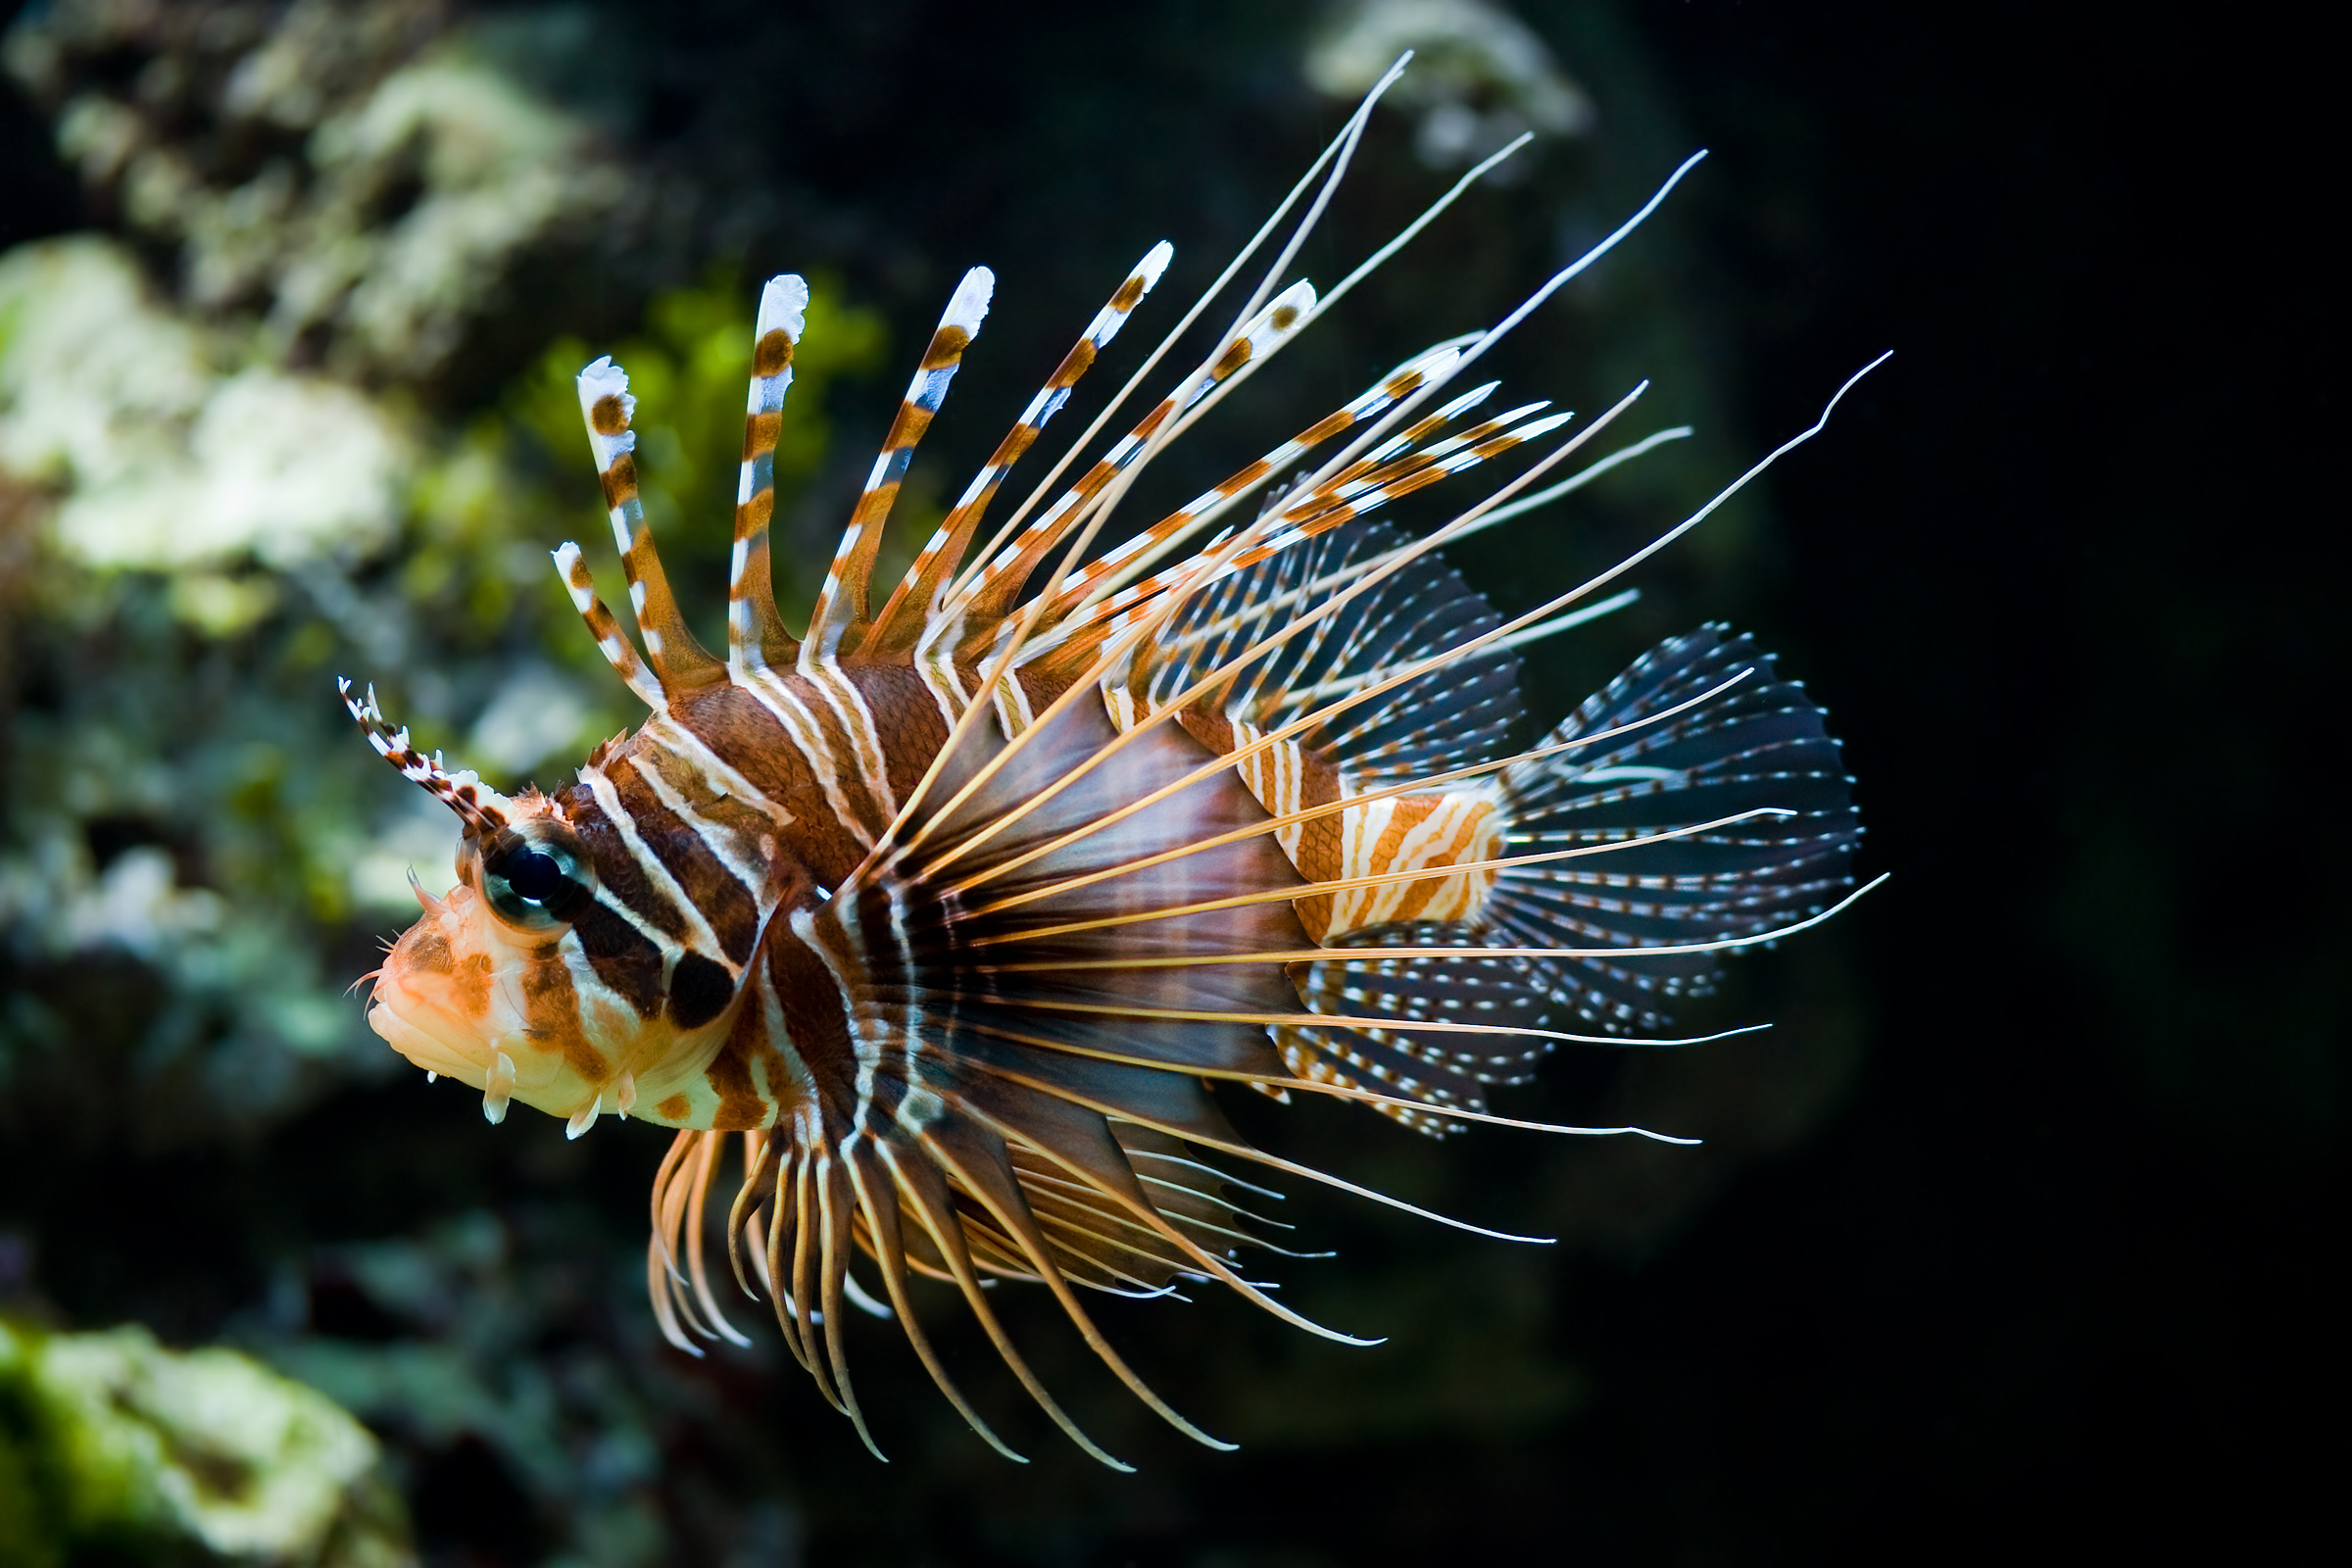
535, 876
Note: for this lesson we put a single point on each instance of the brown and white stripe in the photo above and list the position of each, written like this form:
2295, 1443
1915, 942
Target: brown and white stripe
1432, 365
678, 660
752, 624
1075, 639
993, 592
916, 602
841, 605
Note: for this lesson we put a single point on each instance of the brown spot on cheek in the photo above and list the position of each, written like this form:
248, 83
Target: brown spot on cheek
673, 1109
424, 951
469, 986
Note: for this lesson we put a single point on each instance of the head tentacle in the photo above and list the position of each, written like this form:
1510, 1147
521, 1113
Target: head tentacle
482, 808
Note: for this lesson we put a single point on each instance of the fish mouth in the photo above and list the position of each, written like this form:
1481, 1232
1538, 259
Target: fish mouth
407, 1022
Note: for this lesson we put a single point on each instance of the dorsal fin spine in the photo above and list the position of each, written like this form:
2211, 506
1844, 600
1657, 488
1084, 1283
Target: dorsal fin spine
611, 640
1000, 582
756, 634
916, 602
678, 660
840, 616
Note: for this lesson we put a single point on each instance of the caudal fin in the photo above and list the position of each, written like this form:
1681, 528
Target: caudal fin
1761, 744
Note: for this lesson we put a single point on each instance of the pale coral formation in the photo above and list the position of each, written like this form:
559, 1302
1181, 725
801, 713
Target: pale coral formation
345, 169
1480, 76
112, 1444
162, 457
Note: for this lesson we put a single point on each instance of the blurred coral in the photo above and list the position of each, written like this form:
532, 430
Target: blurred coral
114, 1448
1480, 76
348, 169
169, 454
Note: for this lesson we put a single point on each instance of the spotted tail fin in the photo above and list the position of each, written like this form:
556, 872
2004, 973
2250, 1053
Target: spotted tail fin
1761, 744
1622, 875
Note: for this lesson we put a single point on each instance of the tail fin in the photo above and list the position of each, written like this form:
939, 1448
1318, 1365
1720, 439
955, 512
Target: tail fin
1761, 744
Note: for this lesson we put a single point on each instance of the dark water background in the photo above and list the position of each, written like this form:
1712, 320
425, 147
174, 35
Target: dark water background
2031, 1261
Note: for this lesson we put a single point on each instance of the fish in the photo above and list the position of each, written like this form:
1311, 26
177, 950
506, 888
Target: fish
953, 919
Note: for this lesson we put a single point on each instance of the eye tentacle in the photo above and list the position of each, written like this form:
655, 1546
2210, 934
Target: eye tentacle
463, 790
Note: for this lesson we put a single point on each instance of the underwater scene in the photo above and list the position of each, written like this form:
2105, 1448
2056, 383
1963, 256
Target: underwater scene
324, 323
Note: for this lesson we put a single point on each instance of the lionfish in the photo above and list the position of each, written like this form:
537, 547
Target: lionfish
959, 912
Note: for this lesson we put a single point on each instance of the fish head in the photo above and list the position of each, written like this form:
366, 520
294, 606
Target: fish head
534, 978
495, 987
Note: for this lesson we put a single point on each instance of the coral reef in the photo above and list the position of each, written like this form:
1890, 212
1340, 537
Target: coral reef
350, 172
168, 453
114, 1448
1482, 75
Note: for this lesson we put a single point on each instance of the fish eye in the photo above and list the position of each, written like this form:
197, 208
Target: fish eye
536, 876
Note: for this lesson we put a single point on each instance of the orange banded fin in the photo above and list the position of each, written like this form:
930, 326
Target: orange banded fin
756, 633
1000, 582
1432, 365
913, 603
840, 617
679, 662
611, 640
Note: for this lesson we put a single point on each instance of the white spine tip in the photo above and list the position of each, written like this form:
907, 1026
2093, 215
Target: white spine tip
583, 1118
1155, 262
969, 306
603, 374
784, 303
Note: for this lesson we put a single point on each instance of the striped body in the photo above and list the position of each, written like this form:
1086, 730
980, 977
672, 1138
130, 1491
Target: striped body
1366, 841
954, 914
752, 796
